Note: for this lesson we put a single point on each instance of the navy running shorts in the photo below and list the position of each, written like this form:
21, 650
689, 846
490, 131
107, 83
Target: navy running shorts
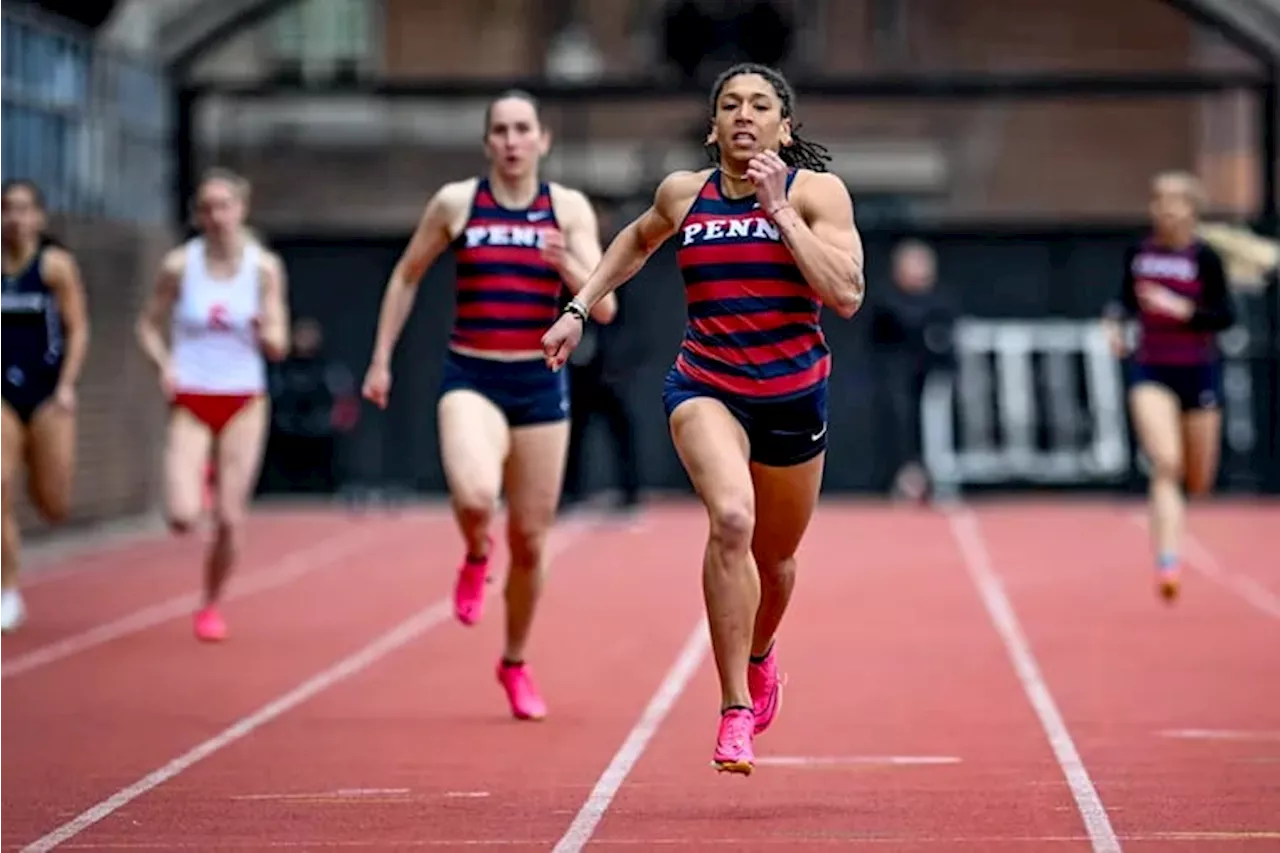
781, 433
527, 392
1197, 386
27, 387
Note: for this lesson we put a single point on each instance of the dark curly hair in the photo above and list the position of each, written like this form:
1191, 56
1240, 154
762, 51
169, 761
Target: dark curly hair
801, 153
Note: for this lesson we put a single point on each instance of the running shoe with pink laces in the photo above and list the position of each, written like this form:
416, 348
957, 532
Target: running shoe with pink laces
522, 693
468, 592
766, 688
209, 625
734, 753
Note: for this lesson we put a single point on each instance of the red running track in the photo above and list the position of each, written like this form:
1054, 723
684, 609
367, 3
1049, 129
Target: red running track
1001, 678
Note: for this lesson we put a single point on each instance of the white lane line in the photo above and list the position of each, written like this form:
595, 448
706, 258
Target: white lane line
607, 786
291, 567
977, 560
399, 636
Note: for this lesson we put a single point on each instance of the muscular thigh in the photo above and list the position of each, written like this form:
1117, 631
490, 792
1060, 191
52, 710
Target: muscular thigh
713, 447
534, 476
51, 458
240, 446
186, 454
13, 436
785, 501
1201, 438
474, 443
1157, 422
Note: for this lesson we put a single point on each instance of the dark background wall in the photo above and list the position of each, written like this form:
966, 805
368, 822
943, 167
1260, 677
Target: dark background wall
992, 274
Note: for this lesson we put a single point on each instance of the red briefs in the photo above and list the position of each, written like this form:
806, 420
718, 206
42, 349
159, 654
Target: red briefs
213, 410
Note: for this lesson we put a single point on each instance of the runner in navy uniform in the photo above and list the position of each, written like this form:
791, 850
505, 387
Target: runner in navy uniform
46, 334
764, 240
503, 416
1175, 287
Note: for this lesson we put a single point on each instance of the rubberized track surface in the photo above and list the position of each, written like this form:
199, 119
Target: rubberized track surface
999, 678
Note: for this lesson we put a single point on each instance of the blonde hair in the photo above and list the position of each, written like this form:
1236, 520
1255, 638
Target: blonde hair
1190, 183
220, 174
1249, 257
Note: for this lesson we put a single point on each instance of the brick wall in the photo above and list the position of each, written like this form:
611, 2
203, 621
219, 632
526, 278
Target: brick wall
1051, 158
121, 417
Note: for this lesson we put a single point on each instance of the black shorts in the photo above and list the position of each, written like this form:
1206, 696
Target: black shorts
781, 433
28, 386
527, 392
1197, 386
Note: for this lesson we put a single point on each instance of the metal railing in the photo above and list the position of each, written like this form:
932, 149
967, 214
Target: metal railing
89, 123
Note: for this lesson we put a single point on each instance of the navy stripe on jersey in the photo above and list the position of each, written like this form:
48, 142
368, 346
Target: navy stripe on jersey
33, 332
753, 321
507, 296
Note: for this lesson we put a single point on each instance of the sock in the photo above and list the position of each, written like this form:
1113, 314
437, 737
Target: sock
759, 659
507, 663
729, 708
1166, 560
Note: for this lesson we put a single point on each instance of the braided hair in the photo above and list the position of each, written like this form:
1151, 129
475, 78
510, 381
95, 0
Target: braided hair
801, 153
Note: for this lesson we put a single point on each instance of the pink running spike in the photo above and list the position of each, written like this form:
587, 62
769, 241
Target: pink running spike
734, 753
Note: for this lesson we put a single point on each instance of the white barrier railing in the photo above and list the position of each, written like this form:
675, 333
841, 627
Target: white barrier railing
1034, 401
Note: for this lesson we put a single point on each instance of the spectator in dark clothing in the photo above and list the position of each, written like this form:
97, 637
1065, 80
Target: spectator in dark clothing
600, 371
314, 402
911, 336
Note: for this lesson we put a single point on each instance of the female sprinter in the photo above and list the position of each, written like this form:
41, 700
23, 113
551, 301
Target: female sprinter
503, 416
46, 336
1175, 286
222, 295
766, 238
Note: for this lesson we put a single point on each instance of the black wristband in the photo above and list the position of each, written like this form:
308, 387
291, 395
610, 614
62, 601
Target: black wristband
577, 309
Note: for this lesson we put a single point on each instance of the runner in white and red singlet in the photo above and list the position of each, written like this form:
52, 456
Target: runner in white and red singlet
222, 295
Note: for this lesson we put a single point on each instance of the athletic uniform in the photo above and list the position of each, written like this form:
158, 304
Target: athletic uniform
33, 340
507, 298
754, 339
217, 358
1180, 355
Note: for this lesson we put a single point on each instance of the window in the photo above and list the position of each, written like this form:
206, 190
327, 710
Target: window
326, 38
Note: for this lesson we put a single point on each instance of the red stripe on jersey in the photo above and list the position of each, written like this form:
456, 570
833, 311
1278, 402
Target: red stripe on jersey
498, 340
747, 356
507, 284
763, 322
502, 311
777, 386
502, 255
715, 291
735, 253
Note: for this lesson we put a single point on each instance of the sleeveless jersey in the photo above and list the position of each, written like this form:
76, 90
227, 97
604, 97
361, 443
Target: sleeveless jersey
33, 333
754, 322
214, 327
507, 295
1167, 340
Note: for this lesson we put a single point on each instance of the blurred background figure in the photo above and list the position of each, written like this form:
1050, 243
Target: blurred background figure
911, 325
602, 371
314, 405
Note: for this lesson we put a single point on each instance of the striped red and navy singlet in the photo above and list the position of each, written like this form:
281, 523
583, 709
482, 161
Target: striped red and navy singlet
753, 327
1166, 340
507, 295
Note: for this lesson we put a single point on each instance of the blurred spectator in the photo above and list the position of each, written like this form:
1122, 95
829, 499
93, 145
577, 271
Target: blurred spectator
911, 336
601, 370
314, 403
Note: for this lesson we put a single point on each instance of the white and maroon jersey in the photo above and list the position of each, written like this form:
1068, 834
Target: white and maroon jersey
215, 326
